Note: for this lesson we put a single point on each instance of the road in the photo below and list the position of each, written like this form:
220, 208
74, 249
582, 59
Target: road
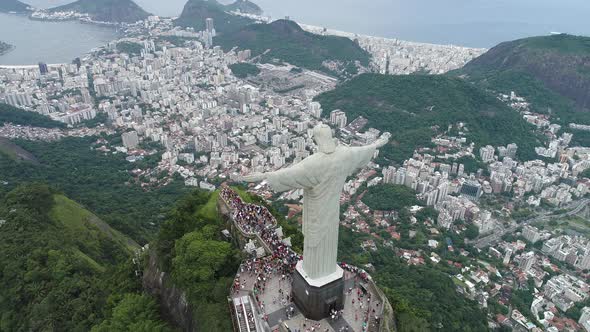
574, 208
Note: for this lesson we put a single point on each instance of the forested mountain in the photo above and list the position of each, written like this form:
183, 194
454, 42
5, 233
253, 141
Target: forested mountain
100, 181
191, 249
413, 108
286, 41
244, 6
62, 267
195, 13
7, 6
118, 11
551, 72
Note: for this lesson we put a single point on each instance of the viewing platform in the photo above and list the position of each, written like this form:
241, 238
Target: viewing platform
261, 295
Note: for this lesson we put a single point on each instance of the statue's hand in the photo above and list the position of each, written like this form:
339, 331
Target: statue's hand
383, 139
255, 177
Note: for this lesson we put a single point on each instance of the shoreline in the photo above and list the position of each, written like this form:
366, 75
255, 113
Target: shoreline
114, 27
351, 35
266, 19
29, 66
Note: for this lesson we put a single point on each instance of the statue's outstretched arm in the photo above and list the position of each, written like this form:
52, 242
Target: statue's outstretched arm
254, 177
382, 140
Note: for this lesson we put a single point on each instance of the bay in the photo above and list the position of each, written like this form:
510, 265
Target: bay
49, 42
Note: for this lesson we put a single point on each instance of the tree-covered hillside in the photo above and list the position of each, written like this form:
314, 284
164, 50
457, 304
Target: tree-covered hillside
551, 72
16, 6
195, 13
244, 6
424, 298
62, 267
118, 11
99, 181
413, 107
285, 41
190, 247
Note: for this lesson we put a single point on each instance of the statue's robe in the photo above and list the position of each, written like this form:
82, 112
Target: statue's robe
322, 177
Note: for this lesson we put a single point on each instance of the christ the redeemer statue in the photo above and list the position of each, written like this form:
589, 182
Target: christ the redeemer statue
322, 177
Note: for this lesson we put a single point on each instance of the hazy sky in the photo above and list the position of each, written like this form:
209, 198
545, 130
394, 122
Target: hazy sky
468, 22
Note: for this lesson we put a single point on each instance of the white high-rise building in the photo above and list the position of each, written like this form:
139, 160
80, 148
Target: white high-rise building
298, 144
389, 174
315, 109
585, 319
487, 153
527, 260
209, 25
511, 150
130, 139
338, 118
531, 233
506, 259
222, 139
443, 190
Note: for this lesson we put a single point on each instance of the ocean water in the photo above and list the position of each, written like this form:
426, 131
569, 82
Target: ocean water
475, 23
49, 42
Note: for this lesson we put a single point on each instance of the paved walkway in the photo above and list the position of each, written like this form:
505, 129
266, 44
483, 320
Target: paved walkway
355, 312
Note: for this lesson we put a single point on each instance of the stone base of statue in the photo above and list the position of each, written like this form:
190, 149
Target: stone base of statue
317, 297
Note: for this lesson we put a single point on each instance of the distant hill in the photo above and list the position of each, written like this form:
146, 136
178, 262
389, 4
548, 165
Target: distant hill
195, 13
411, 106
244, 6
58, 261
119, 11
286, 41
552, 72
13, 6
15, 152
85, 227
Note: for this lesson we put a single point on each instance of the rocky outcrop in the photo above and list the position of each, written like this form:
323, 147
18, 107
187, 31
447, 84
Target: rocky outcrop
173, 303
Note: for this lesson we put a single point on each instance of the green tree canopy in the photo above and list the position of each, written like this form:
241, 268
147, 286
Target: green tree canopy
134, 312
199, 258
390, 197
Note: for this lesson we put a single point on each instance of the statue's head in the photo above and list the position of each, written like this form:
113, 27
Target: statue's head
322, 135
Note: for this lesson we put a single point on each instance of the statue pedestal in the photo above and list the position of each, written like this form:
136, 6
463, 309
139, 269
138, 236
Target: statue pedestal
317, 297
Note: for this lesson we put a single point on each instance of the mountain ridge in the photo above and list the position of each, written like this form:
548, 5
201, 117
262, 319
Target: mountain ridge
118, 11
551, 72
58, 266
412, 106
17, 6
286, 41
244, 6
195, 12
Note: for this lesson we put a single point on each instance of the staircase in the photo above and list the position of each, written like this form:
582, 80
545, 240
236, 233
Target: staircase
244, 314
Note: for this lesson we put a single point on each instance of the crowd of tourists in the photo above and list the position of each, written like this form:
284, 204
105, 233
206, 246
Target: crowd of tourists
256, 219
251, 218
